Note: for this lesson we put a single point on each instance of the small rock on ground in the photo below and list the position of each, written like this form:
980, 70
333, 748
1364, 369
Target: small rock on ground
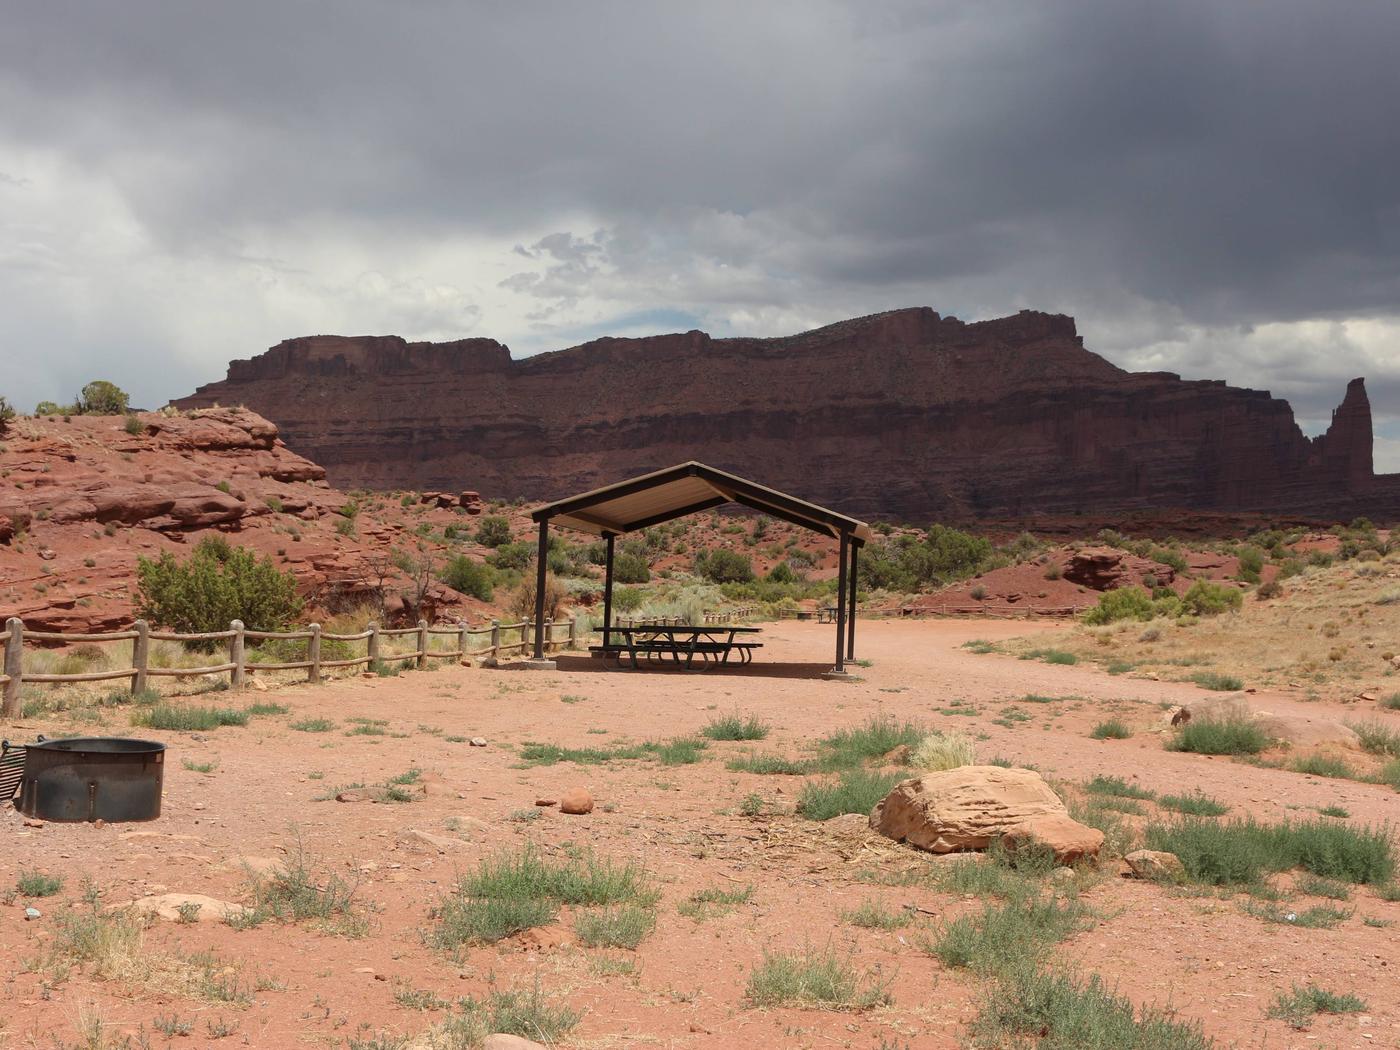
1155, 864
576, 801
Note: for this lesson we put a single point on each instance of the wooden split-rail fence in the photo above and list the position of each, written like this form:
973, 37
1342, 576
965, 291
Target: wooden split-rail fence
504, 639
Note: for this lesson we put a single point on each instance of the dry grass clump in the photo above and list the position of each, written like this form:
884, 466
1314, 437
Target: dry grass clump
814, 977
939, 751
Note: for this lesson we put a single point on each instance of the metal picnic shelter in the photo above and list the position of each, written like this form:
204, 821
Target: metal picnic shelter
689, 488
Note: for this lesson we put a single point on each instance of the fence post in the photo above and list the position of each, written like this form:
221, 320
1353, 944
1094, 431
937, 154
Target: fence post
422, 644
236, 647
313, 653
525, 635
140, 655
462, 641
548, 632
573, 631
14, 667
372, 648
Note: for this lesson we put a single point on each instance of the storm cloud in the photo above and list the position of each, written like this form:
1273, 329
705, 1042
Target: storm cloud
1210, 188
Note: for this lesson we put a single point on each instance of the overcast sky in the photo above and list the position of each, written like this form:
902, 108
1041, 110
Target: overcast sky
1210, 188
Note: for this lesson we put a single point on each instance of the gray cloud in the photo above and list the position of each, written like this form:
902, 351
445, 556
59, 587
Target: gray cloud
1210, 188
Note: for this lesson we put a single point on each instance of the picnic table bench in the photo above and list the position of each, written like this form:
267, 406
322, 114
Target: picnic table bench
714, 644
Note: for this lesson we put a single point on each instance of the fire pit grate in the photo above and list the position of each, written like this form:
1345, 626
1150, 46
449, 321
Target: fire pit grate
11, 768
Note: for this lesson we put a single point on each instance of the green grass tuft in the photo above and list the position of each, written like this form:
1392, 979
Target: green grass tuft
313, 725
813, 977
735, 727
854, 791
1322, 766
621, 927
1221, 683
768, 765
871, 915
879, 735
1113, 729
1117, 786
1300, 1005
1003, 936
1196, 804
37, 884
1377, 738
188, 719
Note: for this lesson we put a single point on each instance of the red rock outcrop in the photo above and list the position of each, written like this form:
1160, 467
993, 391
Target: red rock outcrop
82, 499
904, 415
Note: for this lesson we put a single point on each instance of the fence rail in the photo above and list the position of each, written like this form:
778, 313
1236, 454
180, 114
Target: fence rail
237, 666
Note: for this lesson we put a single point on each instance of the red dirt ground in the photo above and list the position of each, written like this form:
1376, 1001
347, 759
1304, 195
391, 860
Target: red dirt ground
1201, 954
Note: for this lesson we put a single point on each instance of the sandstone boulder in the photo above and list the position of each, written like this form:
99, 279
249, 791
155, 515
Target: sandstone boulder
971, 807
1301, 732
1068, 839
188, 907
1156, 865
576, 801
1105, 568
1215, 709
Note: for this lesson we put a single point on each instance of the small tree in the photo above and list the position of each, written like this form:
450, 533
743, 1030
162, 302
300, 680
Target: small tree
218, 583
522, 603
468, 577
724, 566
101, 398
493, 531
630, 568
7, 415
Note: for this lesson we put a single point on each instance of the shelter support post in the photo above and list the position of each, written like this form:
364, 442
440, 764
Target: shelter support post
538, 661
851, 613
840, 667
608, 586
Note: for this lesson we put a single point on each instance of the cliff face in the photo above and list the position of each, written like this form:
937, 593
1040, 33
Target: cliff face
904, 415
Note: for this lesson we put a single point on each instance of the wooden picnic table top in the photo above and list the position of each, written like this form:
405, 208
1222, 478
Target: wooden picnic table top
712, 628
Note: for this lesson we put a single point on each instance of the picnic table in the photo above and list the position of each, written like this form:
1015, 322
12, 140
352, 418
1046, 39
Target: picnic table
680, 645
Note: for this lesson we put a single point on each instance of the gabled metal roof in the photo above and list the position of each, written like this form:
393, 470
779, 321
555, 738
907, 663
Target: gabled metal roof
688, 488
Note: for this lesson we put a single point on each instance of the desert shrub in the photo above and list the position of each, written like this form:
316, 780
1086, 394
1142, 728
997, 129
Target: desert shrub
513, 556
1377, 738
101, 398
1322, 766
132, 425
782, 573
468, 577
1125, 603
1233, 736
522, 602
218, 583
907, 563
52, 408
494, 531
628, 599
939, 751
630, 568
7, 415
1272, 589
724, 566
298, 891
1244, 851
1204, 598
1053, 1011
1006, 934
